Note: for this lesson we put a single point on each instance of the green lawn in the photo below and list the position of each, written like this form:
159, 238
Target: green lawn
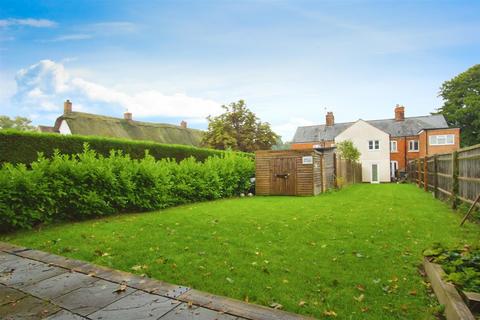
309, 254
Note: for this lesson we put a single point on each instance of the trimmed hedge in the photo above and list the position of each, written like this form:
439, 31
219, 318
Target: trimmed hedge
87, 185
23, 147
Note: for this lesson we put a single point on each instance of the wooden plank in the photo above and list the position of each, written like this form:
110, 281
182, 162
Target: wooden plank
477, 180
446, 175
444, 191
447, 294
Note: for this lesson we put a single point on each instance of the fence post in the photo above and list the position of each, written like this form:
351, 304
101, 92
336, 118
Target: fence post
425, 173
419, 180
435, 176
455, 172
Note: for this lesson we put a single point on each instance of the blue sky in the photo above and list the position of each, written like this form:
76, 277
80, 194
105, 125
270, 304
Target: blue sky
290, 60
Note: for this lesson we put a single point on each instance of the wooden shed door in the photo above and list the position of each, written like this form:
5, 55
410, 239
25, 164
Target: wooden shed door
284, 179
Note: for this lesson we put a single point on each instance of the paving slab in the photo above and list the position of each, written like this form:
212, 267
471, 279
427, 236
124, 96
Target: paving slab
23, 273
190, 312
80, 290
27, 308
7, 260
91, 298
138, 305
8, 295
59, 285
65, 315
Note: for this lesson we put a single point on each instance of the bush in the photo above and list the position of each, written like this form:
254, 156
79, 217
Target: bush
75, 187
23, 147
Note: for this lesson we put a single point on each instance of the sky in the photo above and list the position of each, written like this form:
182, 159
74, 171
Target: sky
291, 60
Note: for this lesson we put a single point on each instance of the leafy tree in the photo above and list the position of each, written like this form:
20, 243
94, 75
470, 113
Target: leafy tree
347, 150
18, 123
461, 106
238, 128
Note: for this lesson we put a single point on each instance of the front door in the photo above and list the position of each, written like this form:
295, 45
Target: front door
284, 178
374, 173
393, 168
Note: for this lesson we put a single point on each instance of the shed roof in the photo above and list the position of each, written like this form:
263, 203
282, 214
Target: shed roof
408, 127
98, 125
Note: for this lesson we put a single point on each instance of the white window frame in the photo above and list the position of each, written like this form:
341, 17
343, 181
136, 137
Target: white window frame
433, 140
375, 145
412, 142
393, 143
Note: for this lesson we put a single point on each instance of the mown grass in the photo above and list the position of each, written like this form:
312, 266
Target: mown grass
309, 254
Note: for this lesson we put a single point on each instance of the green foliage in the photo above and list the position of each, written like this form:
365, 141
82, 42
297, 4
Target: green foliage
348, 151
325, 250
462, 266
461, 106
238, 129
74, 187
23, 147
18, 123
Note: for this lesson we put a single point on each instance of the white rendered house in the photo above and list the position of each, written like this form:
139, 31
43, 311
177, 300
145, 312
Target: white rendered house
374, 146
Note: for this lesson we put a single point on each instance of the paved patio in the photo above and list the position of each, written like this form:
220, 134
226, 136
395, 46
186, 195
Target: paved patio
39, 285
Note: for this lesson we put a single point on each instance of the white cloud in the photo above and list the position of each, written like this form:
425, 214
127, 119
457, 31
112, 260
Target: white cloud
36, 23
111, 27
69, 37
43, 86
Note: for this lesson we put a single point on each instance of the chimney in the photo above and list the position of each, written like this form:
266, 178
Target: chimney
67, 107
183, 124
399, 113
329, 119
127, 116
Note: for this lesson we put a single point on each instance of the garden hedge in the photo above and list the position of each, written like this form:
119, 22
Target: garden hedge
23, 147
75, 187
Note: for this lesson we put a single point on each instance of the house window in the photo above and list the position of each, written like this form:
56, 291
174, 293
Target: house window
373, 145
393, 146
444, 139
413, 145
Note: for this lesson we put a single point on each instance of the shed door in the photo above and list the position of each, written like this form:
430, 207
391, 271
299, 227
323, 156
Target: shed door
284, 177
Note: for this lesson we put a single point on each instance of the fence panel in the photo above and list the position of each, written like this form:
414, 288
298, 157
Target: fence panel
450, 176
348, 171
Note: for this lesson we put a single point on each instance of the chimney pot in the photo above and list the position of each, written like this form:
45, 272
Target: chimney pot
67, 107
329, 119
127, 116
183, 124
399, 113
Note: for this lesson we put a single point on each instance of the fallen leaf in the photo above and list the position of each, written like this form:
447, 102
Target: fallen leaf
360, 298
329, 313
276, 306
364, 309
413, 293
301, 303
121, 288
360, 287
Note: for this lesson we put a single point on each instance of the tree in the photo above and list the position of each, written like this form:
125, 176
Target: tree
18, 123
239, 129
461, 106
347, 150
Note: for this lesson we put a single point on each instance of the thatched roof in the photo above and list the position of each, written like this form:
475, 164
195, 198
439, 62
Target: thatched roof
98, 125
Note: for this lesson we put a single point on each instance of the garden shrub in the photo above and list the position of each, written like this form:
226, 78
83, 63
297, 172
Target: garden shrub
461, 265
75, 187
23, 147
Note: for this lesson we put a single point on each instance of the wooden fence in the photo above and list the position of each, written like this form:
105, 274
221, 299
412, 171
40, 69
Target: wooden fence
349, 171
453, 177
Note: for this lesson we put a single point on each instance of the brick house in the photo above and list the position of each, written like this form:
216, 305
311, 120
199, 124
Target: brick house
410, 137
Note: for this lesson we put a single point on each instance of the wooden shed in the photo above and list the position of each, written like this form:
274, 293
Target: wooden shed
294, 172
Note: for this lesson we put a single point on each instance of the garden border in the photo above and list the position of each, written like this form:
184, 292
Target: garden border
447, 294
